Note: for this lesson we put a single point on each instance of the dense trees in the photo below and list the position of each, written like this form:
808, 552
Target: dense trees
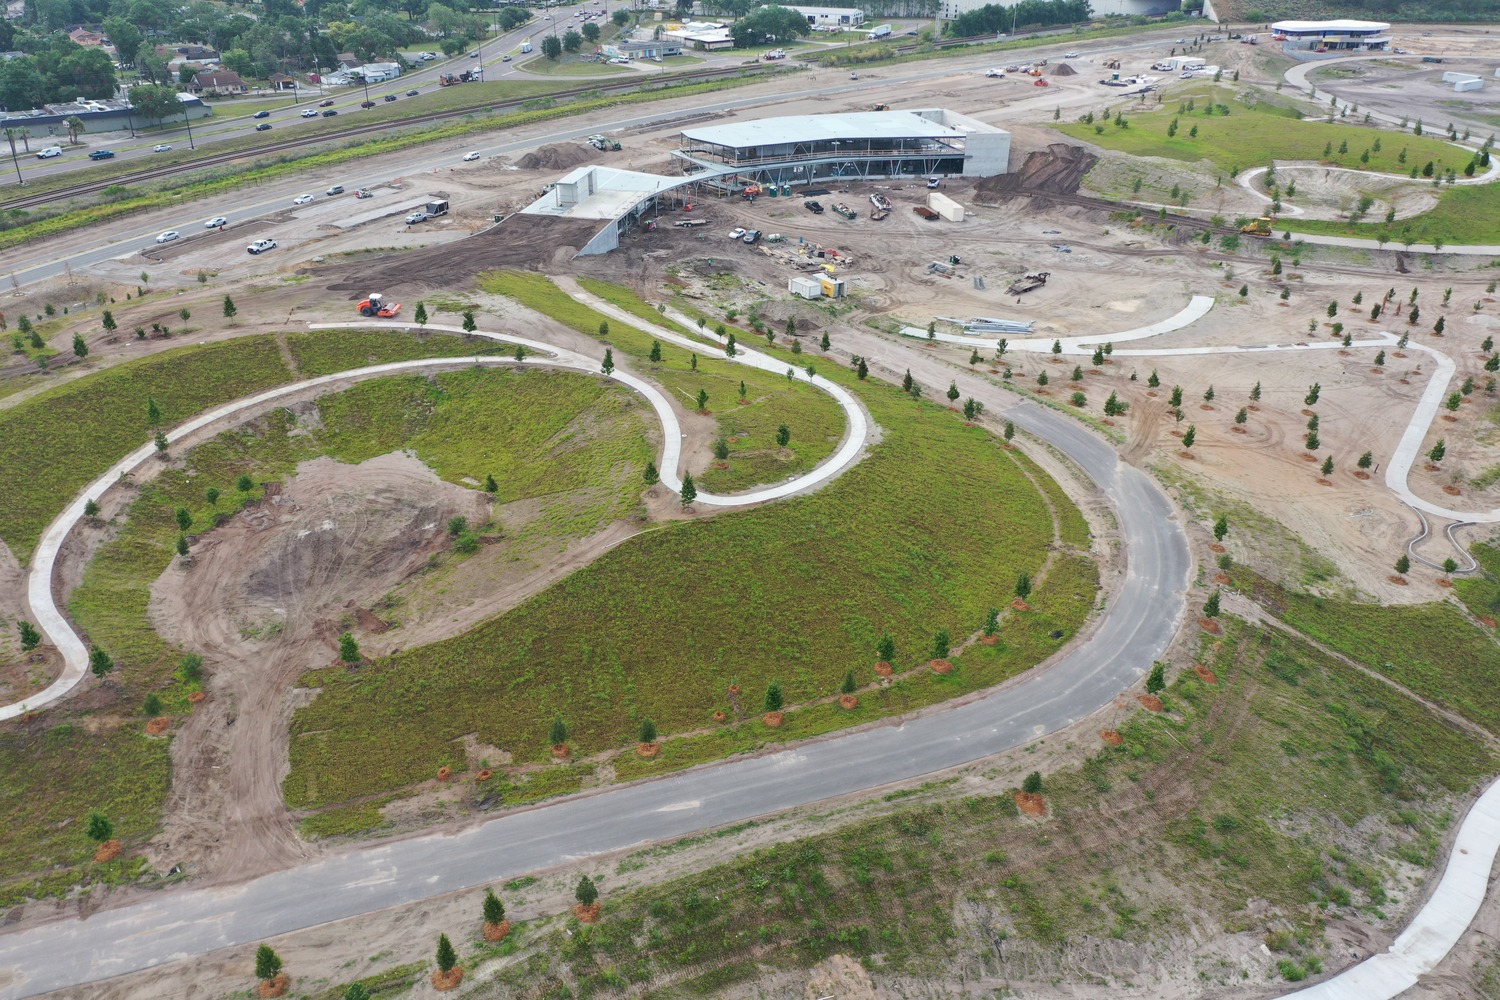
769, 24
993, 18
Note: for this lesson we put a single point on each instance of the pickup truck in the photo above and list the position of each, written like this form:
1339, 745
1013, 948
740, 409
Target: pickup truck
102, 154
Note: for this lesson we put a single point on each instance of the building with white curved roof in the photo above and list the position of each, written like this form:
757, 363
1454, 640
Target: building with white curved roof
1334, 36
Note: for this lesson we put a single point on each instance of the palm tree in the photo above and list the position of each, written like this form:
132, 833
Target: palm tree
74, 125
25, 134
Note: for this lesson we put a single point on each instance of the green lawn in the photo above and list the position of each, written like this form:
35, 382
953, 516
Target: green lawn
1464, 215
1481, 593
1295, 782
1253, 135
53, 444
796, 592
1430, 648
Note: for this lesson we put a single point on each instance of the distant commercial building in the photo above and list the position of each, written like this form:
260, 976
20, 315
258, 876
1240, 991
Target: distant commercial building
805, 149
705, 36
642, 48
830, 17
97, 116
1335, 36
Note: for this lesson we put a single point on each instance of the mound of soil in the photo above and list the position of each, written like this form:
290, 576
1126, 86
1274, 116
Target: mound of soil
561, 751
1063, 69
1222, 579
1058, 169
587, 914
108, 851
1020, 605
1361, 474
1150, 702
445, 981
555, 156
941, 666
444, 773
483, 774
648, 749
773, 719
1215, 547
158, 725
720, 715
848, 701
496, 932
1031, 804
1111, 737
275, 987
989, 640
1486, 621
1206, 675
1452, 491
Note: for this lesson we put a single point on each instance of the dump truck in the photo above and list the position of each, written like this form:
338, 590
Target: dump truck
376, 305
1260, 227
449, 79
1030, 283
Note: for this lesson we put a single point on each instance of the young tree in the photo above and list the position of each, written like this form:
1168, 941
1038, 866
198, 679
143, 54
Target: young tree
586, 892
494, 910
774, 698
1440, 326
91, 507
1312, 443
357, 991
972, 409
1041, 378
182, 545
608, 367
1313, 392
791, 327
244, 484
974, 358
229, 308
1255, 393
107, 320
783, 436
100, 829
1366, 460
490, 486
1328, 466
907, 381
863, 371
1438, 450
825, 343
731, 346
348, 648
1078, 399
1403, 564
1374, 311
469, 324
1023, 586
1033, 783
655, 351
721, 449
557, 735
80, 347
1098, 357
184, 518
1190, 436
885, 648
942, 644
849, 685
1208, 395
212, 496
1176, 399
1010, 430
650, 475
1450, 566
1211, 607
953, 392
267, 963
30, 637
689, 491
1077, 375
1155, 380
647, 731
1056, 347
100, 662
160, 440
1379, 359
447, 958
520, 353
421, 314
702, 400
1242, 416
1221, 527
153, 412
1157, 679
152, 708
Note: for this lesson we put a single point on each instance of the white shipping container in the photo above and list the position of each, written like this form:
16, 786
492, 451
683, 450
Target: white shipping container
807, 288
945, 206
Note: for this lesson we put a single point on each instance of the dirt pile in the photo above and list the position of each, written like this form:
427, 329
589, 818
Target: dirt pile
556, 156
521, 241
1063, 69
1058, 169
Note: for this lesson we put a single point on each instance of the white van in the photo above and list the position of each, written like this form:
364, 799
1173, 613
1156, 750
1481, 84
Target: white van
49, 152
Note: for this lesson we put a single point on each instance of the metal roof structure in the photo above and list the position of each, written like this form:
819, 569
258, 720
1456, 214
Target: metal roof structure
824, 128
1315, 27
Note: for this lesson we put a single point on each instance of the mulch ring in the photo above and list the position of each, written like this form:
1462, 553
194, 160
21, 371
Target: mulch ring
587, 914
483, 774
1361, 474
648, 749
1186, 454
1452, 491
1031, 804
496, 932
275, 987
445, 981
941, 666
1206, 675
989, 640
561, 751
1445, 582
1204, 406
1487, 621
1323, 482
848, 701
1020, 605
1111, 737
197, 697
1237, 429
1399, 581
158, 725
884, 669
1150, 702
1222, 579
720, 715
773, 719
1308, 413
444, 773
1216, 547
1309, 457
1209, 625
108, 851
1377, 371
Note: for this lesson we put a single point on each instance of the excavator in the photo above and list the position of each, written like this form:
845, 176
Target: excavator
376, 305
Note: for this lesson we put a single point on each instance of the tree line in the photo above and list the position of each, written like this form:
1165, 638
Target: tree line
994, 19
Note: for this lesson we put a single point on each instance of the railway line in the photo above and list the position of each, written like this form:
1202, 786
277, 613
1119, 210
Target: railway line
284, 145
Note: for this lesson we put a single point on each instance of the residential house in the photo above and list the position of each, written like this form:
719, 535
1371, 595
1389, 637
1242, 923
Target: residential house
220, 83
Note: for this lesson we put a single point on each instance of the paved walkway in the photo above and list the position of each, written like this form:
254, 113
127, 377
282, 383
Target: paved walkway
55, 626
1196, 309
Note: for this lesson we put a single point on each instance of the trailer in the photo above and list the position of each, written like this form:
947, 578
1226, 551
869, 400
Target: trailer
926, 213
1030, 283
845, 211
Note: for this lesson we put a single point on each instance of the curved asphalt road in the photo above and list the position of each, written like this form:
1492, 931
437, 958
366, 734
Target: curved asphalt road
1136, 628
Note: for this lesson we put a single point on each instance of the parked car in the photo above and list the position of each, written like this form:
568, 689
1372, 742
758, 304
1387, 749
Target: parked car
326, 104
814, 207
261, 114
471, 157
102, 154
1072, 55
263, 127
367, 104
168, 236
49, 152
160, 147
736, 233
330, 113
302, 199
216, 222
309, 112
752, 235
261, 246
336, 189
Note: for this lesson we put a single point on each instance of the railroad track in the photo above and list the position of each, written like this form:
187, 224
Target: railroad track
216, 159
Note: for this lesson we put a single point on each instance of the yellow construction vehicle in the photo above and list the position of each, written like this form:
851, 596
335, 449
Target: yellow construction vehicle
1260, 227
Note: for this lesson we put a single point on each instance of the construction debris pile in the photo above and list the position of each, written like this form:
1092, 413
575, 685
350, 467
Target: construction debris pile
1058, 169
